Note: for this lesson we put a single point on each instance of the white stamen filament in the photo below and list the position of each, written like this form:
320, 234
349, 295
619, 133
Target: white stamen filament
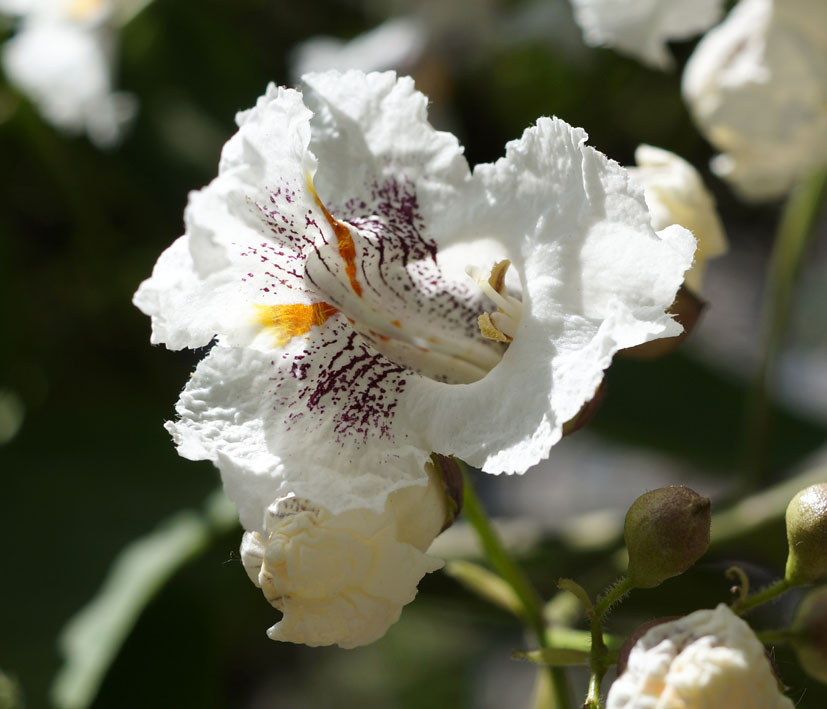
510, 309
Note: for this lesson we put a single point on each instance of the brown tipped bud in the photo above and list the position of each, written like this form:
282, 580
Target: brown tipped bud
666, 531
807, 536
687, 310
587, 411
810, 630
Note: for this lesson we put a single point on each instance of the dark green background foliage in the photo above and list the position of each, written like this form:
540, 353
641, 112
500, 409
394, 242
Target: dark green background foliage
92, 467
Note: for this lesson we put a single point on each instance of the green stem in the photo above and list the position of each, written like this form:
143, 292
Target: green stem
790, 245
757, 599
502, 562
600, 656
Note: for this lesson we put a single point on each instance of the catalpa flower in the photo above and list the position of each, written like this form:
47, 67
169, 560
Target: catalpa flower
62, 58
641, 28
757, 88
330, 262
709, 659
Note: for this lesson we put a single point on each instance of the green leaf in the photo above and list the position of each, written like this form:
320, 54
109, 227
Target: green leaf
92, 638
486, 584
554, 656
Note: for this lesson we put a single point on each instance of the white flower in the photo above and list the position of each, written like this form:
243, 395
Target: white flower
709, 659
348, 346
344, 578
62, 58
676, 194
641, 28
757, 87
395, 44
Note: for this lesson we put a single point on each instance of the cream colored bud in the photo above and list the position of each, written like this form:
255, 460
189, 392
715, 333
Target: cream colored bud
343, 579
709, 659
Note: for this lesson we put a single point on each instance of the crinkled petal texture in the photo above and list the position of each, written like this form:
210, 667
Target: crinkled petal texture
676, 194
757, 88
343, 578
709, 659
641, 28
328, 259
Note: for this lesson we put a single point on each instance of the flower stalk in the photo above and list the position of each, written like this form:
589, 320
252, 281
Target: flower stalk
792, 239
771, 592
502, 562
600, 658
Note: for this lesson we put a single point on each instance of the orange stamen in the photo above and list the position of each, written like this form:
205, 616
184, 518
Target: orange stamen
289, 321
347, 249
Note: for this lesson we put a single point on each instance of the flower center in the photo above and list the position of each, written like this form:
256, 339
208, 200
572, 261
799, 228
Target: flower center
401, 304
500, 326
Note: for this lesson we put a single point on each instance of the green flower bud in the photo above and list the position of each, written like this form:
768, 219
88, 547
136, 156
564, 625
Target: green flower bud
666, 531
807, 536
810, 631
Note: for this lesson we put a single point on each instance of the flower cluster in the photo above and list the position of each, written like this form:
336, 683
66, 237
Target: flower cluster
330, 262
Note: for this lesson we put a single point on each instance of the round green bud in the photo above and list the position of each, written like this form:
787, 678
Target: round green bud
666, 531
810, 634
807, 536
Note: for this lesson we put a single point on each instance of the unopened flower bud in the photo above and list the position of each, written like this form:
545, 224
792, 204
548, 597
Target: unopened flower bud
810, 630
666, 531
344, 578
709, 659
807, 536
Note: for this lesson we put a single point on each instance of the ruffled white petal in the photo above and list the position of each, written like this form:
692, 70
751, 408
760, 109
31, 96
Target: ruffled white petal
641, 28
709, 659
757, 88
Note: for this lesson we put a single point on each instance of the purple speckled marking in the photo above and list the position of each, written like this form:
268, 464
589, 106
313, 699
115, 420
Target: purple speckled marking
339, 376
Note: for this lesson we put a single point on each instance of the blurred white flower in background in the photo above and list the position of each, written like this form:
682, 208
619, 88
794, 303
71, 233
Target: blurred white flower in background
397, 44
709, 659
757, 88
62, 58
676, 194
641, 28
344, 578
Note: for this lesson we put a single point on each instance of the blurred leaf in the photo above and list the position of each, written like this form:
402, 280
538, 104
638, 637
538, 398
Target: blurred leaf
485, 584
11, 696
554, 656
91, 640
